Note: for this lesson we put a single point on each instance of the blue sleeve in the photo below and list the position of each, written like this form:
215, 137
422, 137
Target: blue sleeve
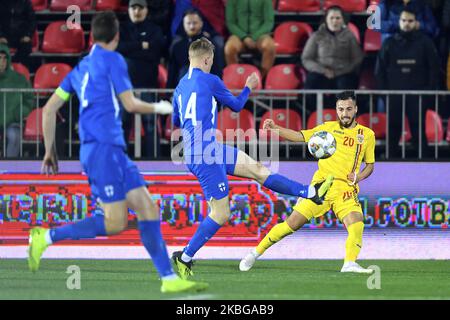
225, 97
66, 84
176, 111
119, 75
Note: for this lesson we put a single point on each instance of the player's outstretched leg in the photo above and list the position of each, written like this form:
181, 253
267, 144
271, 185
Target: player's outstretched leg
247, 167
294, 222
355, 228
41, 238
220, 213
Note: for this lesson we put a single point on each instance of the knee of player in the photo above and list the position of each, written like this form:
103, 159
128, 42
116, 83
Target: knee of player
261, 172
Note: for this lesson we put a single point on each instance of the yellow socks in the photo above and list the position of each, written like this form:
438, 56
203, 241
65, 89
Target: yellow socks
277, 233
354, 241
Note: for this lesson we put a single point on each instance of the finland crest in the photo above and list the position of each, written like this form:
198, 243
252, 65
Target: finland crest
221, 186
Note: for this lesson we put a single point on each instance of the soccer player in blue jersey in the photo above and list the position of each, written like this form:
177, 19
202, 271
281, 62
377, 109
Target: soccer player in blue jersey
195, 111
98, 80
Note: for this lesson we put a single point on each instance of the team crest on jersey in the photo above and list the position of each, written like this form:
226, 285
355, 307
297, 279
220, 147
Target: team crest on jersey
109, 190
360, 138
222, 186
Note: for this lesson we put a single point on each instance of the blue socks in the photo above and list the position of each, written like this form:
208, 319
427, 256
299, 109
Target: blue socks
205, 231
86, 228
152, 240
283, 185
95, 226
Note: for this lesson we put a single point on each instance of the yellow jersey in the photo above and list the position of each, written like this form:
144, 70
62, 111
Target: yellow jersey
353, 146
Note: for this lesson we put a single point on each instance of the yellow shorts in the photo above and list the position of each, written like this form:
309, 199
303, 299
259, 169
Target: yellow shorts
341, 198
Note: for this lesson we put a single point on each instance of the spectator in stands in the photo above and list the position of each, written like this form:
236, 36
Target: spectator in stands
178, 52
390, 13
212, 12
17, 25
332, 55
141, 42
407, 61
11, 114
250, 23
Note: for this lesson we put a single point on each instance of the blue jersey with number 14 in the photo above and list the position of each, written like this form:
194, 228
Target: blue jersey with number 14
195, 107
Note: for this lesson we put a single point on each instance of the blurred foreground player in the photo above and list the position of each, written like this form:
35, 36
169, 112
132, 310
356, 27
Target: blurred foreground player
354, 144
98, 80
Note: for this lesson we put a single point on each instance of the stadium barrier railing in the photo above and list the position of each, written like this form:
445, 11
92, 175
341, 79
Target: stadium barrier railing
303, 102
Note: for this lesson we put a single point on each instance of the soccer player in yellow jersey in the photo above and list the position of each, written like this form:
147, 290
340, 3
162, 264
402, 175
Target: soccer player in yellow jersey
354, 144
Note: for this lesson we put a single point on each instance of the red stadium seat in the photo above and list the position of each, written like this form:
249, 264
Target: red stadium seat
433, 127
407, 133
282, 117
354, 29
50, 75
20, 68
328, 115
39, 5
227, 119
235, 75
448, 130
283, 77
162, 76
62, 5
367, 79
378, 123
372, 40
103, 5
299, 5
290, 37
35, 42
169, 128
59, 39
33, 126
347, 5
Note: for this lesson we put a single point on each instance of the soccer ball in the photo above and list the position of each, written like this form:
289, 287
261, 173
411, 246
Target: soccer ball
322, 145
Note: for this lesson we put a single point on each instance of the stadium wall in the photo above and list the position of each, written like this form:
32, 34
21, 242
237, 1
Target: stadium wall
406, 206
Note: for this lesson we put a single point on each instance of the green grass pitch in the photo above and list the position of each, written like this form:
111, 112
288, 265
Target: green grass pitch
268, 280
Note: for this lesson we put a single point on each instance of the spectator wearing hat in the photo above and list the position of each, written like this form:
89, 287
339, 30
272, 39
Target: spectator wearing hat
141, 43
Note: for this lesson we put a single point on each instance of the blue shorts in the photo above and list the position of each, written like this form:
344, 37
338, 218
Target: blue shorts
110, 172
213, 176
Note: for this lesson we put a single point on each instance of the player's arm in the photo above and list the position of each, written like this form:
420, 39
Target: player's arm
364, 174
369, 159
288, 134
123, 88
135, 105
56, 101
224, 96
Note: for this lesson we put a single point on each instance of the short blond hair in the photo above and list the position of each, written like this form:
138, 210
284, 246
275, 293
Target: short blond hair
201, 47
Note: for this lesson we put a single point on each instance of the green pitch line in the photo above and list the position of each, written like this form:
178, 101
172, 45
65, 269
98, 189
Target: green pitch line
269, 279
